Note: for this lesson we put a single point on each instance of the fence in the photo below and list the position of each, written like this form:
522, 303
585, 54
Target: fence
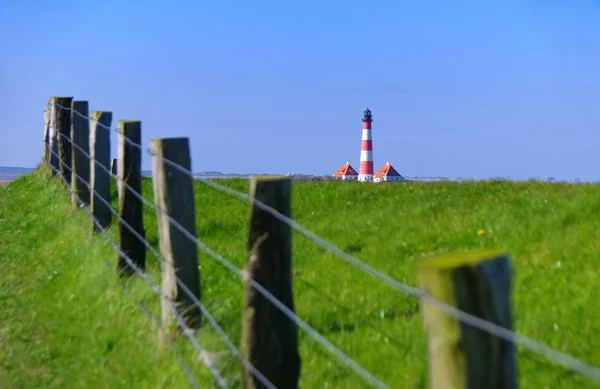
465, 300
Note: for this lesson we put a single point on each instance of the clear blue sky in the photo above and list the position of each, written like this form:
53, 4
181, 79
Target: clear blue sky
459, 89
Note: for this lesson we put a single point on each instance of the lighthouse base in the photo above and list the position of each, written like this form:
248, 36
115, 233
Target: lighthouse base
365, 177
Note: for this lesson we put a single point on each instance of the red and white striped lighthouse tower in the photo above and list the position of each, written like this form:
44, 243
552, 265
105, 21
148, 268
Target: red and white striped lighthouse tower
365, 172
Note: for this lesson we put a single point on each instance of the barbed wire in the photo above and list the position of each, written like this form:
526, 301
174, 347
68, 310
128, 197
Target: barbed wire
259, 288
154, 287
476, 322
160, 258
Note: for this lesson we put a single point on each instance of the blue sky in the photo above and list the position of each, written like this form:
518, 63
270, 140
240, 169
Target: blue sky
457, 89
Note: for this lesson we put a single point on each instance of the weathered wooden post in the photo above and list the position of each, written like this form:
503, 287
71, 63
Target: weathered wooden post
80, 136
53, 137
129, 167
269, 338
174, 198
113, 167
100, 157
114, 171
63, 128
46, 149
461, 356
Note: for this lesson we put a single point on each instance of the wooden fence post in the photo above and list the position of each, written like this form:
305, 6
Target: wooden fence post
174, 197
80, 136
113, 166
99, 178
63, 128
269, 338
53, 137
461, 356
46, 149
115, 171
129, 167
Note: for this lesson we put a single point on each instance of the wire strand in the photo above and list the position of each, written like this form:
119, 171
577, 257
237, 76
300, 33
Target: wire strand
284, 309
116, 129
150, 283
144, 310
83, 116
365, 374
174, 350
474, 321
264, 380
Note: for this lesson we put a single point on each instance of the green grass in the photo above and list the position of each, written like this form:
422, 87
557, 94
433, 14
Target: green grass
65, 322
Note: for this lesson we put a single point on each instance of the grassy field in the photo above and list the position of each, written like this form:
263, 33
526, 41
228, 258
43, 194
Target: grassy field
65, 322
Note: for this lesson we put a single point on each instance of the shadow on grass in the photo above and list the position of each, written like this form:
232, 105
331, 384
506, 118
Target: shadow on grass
336, 327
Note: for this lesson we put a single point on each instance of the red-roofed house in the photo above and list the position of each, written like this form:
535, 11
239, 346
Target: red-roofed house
346, 172
387, 173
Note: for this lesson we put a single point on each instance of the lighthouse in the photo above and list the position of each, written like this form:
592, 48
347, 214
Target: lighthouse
366, 149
